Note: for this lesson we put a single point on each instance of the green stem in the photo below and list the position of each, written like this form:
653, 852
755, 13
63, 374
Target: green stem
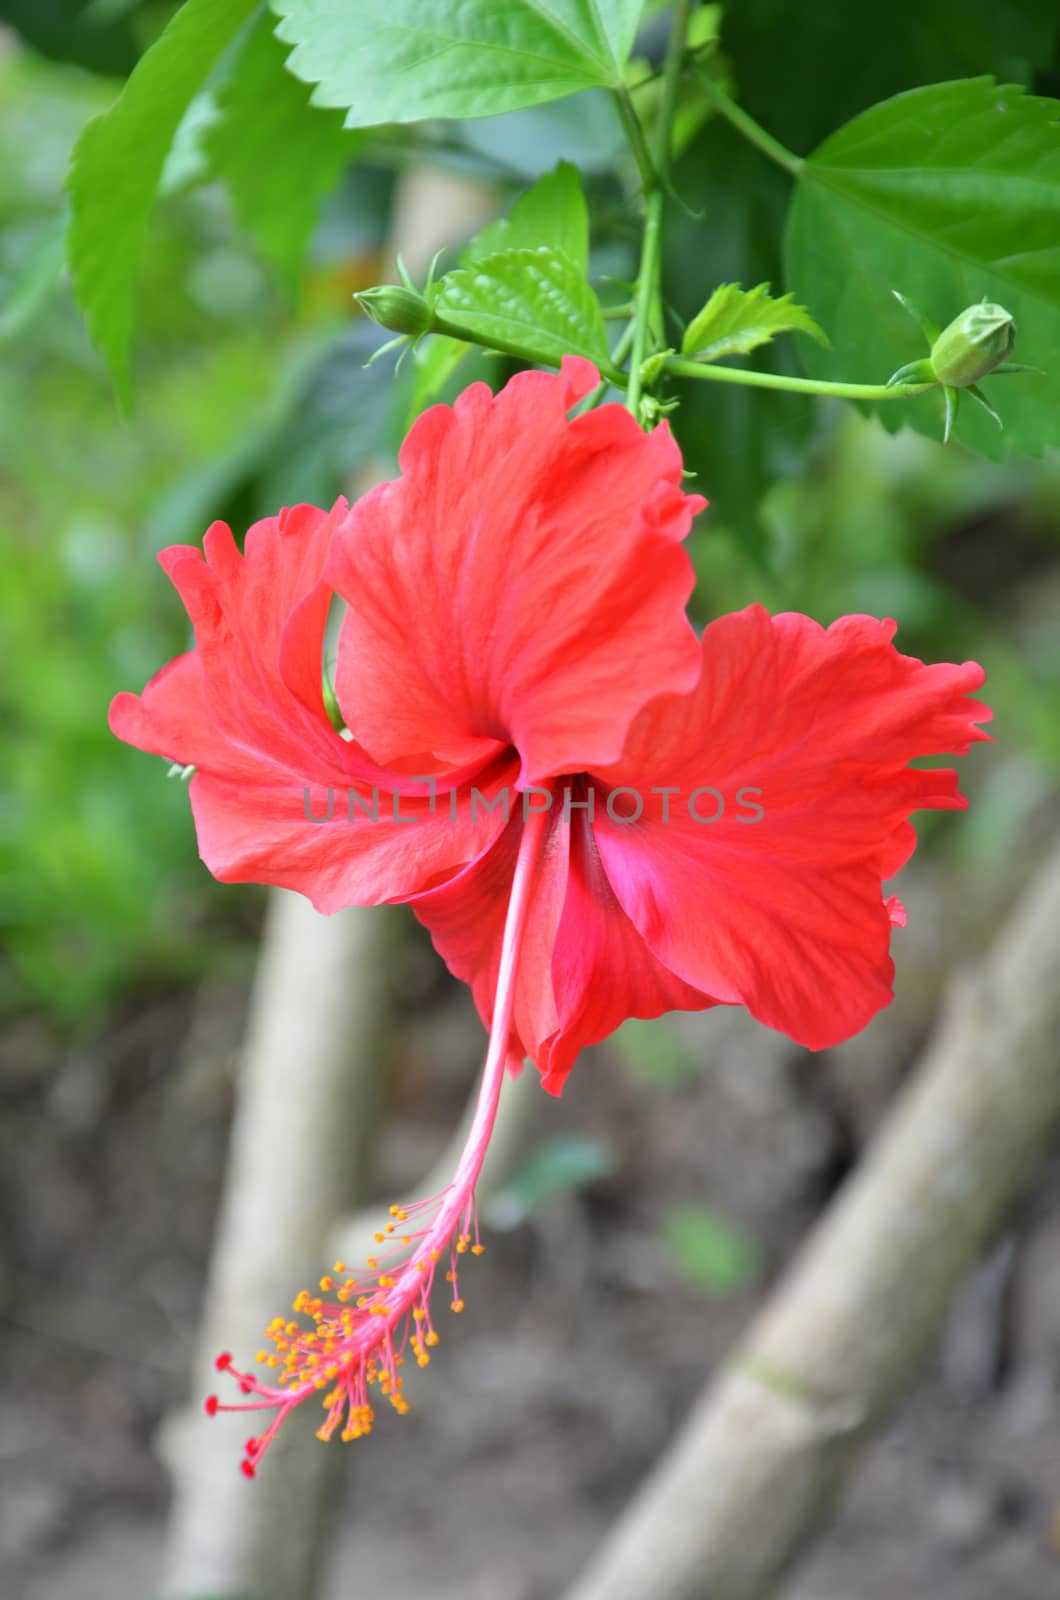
649, 275
750, 128
635, 134
682, 368
618, 355
512, 347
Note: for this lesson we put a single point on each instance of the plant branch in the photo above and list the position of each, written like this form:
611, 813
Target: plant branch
771, 1443
681, 367
646, 298
635, 134
749, 128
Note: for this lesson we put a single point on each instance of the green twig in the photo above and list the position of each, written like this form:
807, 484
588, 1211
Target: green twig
750, 129
682, 368
646, 299
637, 142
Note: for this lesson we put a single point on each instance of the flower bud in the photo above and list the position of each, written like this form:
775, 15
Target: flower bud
974, 344
401, 310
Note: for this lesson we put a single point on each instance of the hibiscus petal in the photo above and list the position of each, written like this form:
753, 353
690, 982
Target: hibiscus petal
583, 967
500, 590
246, 708
602, 970
465, 918
783, 911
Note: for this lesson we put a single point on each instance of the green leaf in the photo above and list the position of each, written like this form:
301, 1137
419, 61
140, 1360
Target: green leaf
708, 1252
821, 68
117, 163
74, 30
950, 194
735, 321
277, 155
553, 213
562, 1164
403, 60
535, 303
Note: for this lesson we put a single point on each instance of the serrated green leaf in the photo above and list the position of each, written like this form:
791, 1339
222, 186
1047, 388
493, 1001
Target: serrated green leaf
403, 60
534, 302
117, 163
736, 321
277, 155
708, 1251
949, 194
552, 213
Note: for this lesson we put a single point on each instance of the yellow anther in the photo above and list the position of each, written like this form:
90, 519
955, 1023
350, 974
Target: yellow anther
291, 1329
432, 1338
457, 1305
419, 1313
272, 1361
373, 1263
435, 1255
261, 1356
340, 1266
327, 1283
461, 1247
380, 1238
478, 1249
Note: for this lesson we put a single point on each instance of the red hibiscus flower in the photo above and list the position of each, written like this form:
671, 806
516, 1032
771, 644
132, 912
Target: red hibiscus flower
596, 814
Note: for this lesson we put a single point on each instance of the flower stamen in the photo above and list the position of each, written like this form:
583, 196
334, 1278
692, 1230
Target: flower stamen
363, 1325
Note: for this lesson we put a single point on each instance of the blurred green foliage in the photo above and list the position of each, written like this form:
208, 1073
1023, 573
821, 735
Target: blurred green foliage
708, 1251
99, 885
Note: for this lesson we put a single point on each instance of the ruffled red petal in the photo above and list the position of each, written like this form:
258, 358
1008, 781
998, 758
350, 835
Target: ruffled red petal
783, 912
246, 708
583, 967
522, 583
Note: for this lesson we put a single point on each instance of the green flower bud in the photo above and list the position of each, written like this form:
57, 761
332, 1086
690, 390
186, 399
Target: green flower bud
401, 310
974, 344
